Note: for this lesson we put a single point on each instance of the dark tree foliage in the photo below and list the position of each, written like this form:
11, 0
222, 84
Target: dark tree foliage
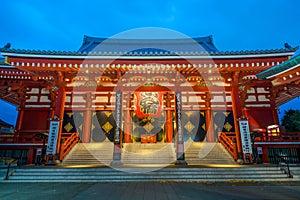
291, 120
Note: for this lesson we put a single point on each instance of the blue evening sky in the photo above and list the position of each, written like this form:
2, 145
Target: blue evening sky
235, 24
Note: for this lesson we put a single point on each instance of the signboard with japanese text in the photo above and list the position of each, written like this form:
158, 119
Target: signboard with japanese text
245, 136
118, 117
179, 122
52, 138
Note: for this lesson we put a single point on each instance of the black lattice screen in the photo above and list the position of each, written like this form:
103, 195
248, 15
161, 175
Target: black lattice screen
193, 123
103, 125
73, 122
223, 121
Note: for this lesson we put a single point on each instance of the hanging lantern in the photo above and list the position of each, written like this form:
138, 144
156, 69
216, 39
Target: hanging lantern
148, 104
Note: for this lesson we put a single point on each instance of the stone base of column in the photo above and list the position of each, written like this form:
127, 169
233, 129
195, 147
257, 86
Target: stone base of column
116, 160
180, 162
116, 163
240, 159
50, 160
116, 156
180, 159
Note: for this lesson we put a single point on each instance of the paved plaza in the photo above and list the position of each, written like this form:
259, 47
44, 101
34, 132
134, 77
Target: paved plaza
150, 190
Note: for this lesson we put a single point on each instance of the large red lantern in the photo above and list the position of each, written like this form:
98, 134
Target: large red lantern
148, 104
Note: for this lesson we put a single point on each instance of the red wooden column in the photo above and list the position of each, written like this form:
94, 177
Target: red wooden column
20, 119
86, 133
210, 135
58, 116
169, 118
245, 112
59, 112
275, 115
128, 121
30, 156
274, 109
53, 97
243, 97
237, 112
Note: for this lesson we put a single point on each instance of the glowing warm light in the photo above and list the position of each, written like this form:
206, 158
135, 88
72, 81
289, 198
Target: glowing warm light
83, 165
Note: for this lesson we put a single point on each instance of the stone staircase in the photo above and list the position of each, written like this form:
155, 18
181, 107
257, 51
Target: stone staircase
295, 171
143, 153
132, 153
90, 154
150, 162
106, 174
197, 153
2, 172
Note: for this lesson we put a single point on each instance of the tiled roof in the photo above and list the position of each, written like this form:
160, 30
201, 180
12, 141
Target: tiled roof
200, 46
148, 53
3, 123
142, 46
280, 68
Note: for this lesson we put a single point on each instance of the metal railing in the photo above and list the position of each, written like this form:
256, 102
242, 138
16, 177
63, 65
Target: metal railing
282, 162
278, 137
10, 169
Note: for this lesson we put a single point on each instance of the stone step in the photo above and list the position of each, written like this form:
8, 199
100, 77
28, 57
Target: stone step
164, 174
158, 153
135, 157
100, 173
295, 171
90, 153
147, 161
148, 177
205, 153
2, 172
205, 180
232, 168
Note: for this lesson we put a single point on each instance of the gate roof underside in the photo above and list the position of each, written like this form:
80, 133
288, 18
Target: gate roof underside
285, 78
41, 67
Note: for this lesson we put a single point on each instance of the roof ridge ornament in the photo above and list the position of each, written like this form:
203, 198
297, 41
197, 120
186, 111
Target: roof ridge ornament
7, 46
287, 46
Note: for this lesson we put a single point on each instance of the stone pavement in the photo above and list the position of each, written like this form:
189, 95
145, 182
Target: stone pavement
150, 190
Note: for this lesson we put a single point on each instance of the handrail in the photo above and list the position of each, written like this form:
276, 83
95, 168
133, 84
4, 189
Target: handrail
228, 140
283, 158
28, 136
280, 137
68, 144
9, 167
6, 138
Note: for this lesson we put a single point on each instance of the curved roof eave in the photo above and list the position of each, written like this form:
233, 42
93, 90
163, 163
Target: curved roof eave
281, 68
153, 55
